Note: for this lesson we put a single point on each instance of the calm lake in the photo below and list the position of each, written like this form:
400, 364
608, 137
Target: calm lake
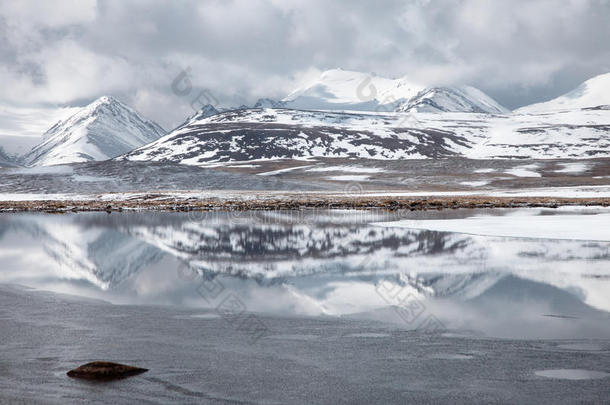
366, 292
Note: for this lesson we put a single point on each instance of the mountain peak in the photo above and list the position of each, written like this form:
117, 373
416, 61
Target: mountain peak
101, 130
105, 102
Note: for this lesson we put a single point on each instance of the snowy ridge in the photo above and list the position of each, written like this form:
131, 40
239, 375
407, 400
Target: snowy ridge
104, 129
593, 93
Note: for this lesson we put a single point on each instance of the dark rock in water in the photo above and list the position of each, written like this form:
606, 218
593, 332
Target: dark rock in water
105, 371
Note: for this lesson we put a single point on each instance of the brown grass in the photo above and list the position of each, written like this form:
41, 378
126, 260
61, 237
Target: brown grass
147, 203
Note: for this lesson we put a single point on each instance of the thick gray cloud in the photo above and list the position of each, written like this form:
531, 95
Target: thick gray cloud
70, 51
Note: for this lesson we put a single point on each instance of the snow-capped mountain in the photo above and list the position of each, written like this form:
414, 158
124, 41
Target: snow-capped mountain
334, 259
452, 99
593, 93
86, 250
339, 89
102, 130
273, 248
244, 135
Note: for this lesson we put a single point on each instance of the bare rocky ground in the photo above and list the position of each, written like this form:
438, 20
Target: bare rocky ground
452, 174
290, 184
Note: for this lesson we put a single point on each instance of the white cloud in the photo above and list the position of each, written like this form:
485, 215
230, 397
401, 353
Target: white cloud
62, 51
49, 13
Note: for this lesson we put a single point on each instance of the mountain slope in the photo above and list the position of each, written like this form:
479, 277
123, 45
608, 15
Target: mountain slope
104, 129
269, 134
594, 92
278, 133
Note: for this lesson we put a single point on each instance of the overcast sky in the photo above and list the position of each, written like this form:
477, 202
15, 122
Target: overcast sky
72, 51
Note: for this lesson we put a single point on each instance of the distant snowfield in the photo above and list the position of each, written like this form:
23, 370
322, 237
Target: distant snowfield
479, 183
595, 227
573, 168
524, 171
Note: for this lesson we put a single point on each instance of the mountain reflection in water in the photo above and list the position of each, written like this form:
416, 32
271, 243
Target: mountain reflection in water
317, 263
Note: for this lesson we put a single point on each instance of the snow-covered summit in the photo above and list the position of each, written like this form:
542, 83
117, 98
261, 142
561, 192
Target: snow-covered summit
339, 89
592, 93
104, 129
